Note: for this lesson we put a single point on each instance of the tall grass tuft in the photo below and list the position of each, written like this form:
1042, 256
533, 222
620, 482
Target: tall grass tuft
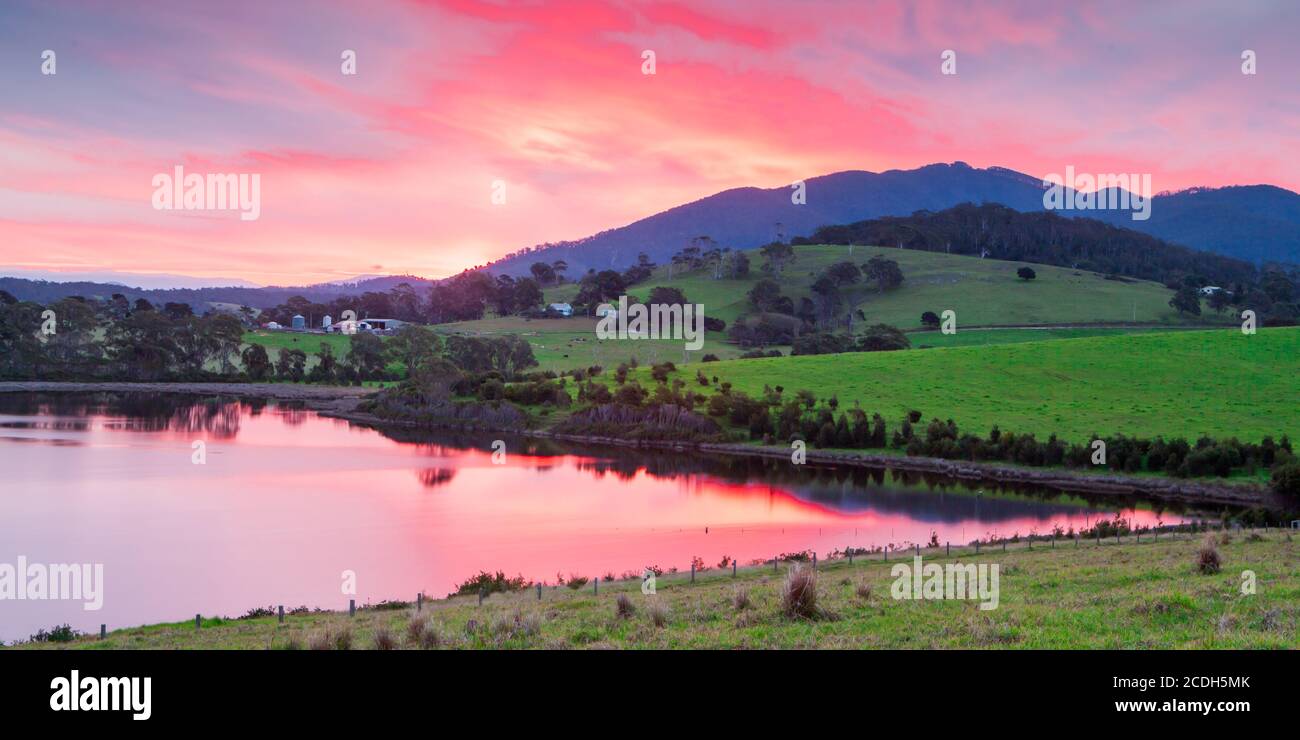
415, 631
1207, 558
799, 594
658, 614
343, 639
384, 639
623, 607
863, 590
322, 640
740, 599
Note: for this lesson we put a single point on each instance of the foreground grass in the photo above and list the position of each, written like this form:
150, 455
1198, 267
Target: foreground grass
1186, 383
1125, 595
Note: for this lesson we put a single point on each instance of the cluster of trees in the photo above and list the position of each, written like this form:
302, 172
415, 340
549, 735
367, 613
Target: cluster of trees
1275, 298
876, 338
703, 253
77, 338
992, 230
835, 297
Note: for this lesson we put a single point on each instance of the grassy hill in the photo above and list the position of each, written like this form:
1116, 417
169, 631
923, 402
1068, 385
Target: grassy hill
1217, 382
983, 292
1110, 595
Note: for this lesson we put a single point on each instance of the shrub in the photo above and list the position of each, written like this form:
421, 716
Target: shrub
60, 633
1286, 479
1207, 558
799, 594
576, 582
490, 583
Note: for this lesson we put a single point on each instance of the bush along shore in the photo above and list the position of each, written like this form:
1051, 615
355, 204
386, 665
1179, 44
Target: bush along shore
1107, 588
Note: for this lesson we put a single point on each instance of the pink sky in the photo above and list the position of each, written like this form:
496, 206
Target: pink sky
391, 170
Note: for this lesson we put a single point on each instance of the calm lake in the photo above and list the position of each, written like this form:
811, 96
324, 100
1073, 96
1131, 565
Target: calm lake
287, 500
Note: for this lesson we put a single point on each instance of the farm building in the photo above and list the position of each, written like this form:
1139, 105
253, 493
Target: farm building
384, 324
299, 322
562, 309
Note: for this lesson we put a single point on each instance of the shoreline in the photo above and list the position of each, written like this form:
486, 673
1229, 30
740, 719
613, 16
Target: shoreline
1060, 479
340, 402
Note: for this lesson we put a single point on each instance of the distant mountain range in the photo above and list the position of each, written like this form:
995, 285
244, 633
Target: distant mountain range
1257, 223
44, 291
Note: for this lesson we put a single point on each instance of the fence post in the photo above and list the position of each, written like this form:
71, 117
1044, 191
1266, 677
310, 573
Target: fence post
947, 549
814, 561
595, 585
281, 614
918, 549
733, 568
774, 565
850, 551
1004, 544
539, 592
103, 631
196, 621
692, 571
352, 607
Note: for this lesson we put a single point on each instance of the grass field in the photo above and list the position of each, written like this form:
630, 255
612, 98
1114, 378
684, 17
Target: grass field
1216, 382
981, 337
1113, 595
564, 344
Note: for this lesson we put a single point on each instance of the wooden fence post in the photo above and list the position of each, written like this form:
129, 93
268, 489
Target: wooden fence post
197, 620
281, 610
539, 592
352, 607
103, 631
692, 571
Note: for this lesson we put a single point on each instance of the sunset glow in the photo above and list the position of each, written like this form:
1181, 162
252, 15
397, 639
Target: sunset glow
390, 170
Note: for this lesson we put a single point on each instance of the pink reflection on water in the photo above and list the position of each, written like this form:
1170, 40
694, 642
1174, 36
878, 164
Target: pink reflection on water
287, 501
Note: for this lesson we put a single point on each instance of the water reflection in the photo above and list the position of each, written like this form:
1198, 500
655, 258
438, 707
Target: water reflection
286, 500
